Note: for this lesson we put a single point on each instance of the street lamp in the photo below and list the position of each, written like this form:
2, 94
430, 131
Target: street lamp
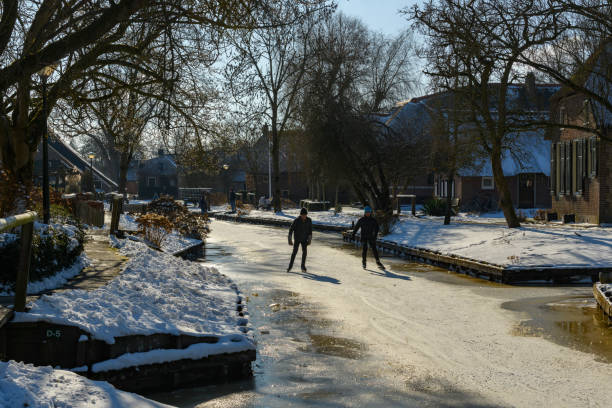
44, 74
265, 132
91, 157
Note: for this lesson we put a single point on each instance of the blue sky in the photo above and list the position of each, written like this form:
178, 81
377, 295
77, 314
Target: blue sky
380, 15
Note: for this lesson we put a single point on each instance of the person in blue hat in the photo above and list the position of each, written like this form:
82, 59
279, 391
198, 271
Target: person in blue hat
301, 230
369, 232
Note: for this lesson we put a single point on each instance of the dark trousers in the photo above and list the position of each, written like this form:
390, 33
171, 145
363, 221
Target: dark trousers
296, 245
372, 243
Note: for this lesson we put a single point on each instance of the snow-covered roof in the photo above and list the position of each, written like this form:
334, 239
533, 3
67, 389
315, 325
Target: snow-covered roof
67, 153
600, 83
530, 154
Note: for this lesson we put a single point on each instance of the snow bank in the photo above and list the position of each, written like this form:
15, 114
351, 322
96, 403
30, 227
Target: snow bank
227, 344
24, 385
156, 293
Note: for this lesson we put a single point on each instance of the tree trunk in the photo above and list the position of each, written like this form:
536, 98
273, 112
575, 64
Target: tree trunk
276, 202
336, 200
123, 169
449, 197
505, 198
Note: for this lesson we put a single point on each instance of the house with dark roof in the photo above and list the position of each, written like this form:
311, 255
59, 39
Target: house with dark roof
158, 176
63, 160
581, 151
525, 163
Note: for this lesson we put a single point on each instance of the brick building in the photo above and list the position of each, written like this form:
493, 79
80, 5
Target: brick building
526, 166
581, 157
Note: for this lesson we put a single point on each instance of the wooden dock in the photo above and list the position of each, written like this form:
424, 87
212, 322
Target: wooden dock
604, 302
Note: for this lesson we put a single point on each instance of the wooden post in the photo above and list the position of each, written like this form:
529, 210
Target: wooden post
23, 270
115, 213
26, 221
413, 203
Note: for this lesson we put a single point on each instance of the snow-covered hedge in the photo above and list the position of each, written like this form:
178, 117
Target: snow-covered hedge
54, 248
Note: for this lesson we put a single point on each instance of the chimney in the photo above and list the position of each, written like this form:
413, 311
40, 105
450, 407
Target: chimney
160, 151
530, 84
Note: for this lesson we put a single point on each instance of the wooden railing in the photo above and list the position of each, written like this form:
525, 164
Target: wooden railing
26, 221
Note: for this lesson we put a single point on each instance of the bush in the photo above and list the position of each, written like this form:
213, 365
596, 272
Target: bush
338, 208
154, 228
436, 207
540, 215
54, 247
386, 220
187, 223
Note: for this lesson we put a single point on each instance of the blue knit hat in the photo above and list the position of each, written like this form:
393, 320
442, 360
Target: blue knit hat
367, 209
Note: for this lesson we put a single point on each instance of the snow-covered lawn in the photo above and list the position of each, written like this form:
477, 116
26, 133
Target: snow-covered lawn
528, 246
345, 218
24, 385
156, 293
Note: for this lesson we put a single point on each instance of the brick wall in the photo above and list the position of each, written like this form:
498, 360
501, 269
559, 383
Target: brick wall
605, 177
586, 207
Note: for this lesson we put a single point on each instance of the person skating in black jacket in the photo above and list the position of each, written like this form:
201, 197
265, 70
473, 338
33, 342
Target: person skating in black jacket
301, 229
369, 232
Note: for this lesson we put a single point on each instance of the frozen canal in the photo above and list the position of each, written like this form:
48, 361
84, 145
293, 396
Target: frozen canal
414, 336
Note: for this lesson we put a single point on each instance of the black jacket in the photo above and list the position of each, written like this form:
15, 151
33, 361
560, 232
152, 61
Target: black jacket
369, 228
301, 230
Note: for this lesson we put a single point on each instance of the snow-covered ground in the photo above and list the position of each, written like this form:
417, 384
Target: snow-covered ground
345, 218
528, 246
24, 385
486, 238
156, 293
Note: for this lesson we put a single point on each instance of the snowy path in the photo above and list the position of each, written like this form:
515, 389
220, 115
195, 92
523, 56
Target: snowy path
426, 341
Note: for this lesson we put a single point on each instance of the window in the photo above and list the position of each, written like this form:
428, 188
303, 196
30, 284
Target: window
151, 181
586, 112
579, 167
562, 116
553, 169
592, 157
487, 183
568, 168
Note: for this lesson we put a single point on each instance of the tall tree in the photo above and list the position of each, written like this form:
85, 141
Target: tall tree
78, 35
354, 75
267, 67
481, 41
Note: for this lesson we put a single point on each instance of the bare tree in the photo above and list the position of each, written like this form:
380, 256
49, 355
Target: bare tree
267, 69
481, 42
352, 76
77, 36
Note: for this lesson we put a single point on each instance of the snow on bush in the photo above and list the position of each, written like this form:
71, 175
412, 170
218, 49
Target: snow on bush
55, 248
